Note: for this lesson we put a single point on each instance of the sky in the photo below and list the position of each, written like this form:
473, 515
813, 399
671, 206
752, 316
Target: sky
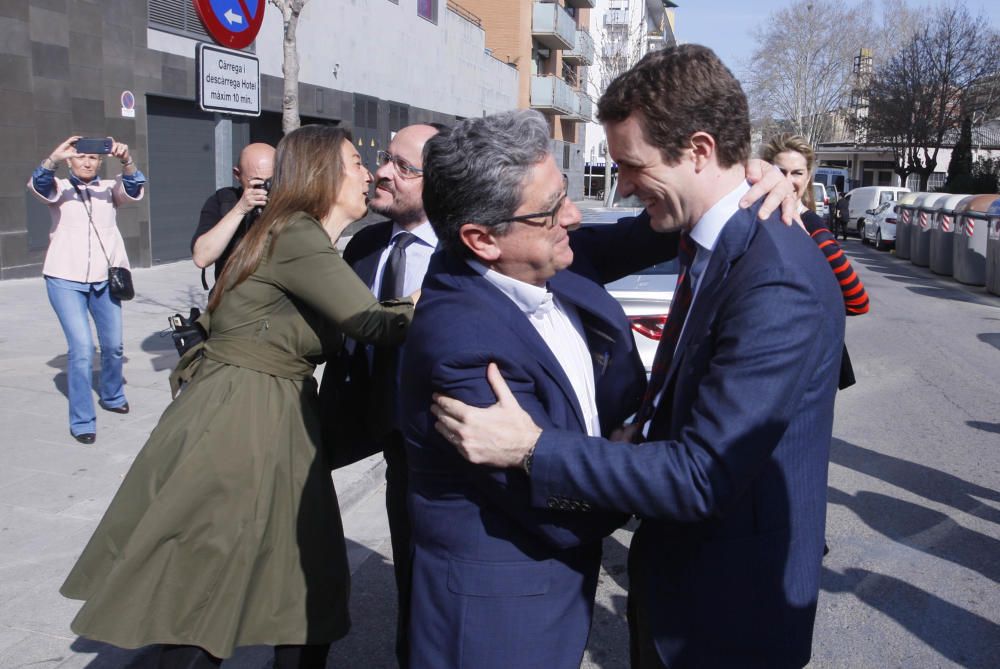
726, 25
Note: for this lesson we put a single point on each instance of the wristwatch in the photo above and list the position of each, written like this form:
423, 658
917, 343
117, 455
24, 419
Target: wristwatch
526, 462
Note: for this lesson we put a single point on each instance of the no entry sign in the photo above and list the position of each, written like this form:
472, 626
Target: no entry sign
232, 23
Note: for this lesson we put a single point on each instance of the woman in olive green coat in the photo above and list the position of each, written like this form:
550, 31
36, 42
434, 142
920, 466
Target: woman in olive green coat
226, 531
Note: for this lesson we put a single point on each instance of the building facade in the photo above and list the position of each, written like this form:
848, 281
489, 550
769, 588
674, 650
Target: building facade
624, 31
374, 66
549, 43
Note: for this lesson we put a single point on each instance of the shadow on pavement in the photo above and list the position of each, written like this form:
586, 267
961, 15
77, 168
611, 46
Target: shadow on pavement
161, 345
112, 657
925, 481
984, 426
967, 639
924, 529
608, 643
61, 380
991, 338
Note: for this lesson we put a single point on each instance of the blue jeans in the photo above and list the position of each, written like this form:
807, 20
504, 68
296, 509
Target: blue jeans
71, 301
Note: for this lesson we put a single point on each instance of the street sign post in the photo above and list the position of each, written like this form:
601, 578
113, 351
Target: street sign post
228, 81
231, 23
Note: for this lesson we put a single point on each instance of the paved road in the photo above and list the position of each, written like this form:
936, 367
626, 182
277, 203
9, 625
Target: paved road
913, 522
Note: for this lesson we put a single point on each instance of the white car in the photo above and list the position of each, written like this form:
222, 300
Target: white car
645, 296
822, 202
880, 226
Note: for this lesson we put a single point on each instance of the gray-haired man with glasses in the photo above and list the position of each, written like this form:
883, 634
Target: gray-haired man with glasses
362, 385
497, 582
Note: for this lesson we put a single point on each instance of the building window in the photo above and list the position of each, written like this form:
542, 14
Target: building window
428, 9
936, 180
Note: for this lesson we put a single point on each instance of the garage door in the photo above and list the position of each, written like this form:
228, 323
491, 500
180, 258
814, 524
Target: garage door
181, 172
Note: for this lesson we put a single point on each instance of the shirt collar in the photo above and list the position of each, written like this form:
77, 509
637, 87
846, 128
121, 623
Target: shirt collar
423, 232
529, 299
73, 179
706, 231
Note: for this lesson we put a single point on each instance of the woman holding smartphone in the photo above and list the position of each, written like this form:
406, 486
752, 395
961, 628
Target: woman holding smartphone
84, 241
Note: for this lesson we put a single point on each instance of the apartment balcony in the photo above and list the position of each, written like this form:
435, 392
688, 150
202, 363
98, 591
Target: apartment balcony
582, 52
616, 17
586, 108
581, 4
552, 26
583, 109
552, 95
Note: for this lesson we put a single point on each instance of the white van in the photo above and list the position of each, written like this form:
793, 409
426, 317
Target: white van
866, 198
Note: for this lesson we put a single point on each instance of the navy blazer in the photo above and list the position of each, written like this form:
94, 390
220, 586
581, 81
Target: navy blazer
358, 402
731, 484
496, 582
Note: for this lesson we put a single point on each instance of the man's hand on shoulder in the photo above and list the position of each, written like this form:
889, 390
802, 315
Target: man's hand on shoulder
765, 179
502, 435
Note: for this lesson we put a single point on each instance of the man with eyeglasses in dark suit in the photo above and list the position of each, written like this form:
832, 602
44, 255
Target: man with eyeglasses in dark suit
362, 384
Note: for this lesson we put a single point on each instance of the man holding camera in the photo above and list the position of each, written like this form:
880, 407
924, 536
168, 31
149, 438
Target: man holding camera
229, 212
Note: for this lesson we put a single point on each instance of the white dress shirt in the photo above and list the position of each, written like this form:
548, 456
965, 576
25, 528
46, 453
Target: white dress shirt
418, 256
560, 327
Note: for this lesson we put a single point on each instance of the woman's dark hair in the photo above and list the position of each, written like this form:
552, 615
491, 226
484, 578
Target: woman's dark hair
308, 169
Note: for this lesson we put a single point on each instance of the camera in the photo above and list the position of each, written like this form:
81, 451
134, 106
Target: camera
265, 185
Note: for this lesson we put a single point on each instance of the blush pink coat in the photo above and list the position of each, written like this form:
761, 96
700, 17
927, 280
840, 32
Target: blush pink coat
74, 252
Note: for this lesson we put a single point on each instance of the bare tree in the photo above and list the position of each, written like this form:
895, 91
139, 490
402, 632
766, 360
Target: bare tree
290, 10
800, 74
947, 70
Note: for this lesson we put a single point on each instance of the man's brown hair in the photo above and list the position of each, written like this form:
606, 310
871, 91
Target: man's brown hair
679, 91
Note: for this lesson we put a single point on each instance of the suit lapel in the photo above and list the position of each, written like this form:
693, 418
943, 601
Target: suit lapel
601, 315
366, 266
464, 278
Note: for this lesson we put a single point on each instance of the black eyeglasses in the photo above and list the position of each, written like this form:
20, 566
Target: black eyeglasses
403, 168
549, 218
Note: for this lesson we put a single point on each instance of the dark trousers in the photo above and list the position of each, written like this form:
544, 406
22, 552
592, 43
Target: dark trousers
396, 476
285, 657
642, 649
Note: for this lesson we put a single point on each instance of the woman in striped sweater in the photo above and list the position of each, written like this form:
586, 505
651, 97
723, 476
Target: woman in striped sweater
796, 159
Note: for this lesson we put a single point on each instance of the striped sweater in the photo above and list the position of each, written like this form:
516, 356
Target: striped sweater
855, 296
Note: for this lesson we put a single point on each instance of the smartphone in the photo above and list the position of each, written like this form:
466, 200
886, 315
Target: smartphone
93, 145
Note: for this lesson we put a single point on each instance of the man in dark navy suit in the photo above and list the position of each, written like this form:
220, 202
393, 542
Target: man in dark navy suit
497, 583
362, 385
728, 467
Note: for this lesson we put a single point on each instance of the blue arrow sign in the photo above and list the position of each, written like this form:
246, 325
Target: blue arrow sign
235, 15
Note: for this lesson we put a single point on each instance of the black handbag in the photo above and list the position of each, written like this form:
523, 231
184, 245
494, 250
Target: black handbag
119, 278
120, 283
187, 332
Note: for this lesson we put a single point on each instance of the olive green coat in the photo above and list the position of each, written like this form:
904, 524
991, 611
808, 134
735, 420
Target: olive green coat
226, 531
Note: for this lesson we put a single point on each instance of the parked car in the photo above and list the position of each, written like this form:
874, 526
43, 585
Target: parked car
822, 202
834, 196
645, 296
869, 197
880, 226
833, 176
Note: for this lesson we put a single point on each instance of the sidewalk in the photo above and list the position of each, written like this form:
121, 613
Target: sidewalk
54, 490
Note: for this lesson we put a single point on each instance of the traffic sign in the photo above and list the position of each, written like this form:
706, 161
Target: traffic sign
228, 81
232, 23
